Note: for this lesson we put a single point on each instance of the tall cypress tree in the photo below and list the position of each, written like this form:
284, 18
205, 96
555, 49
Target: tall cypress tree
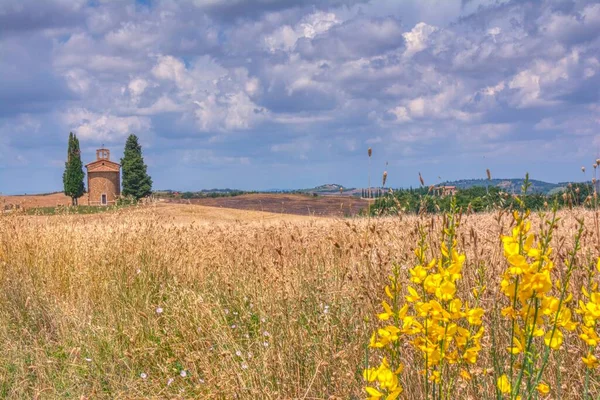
73, 175
136, 181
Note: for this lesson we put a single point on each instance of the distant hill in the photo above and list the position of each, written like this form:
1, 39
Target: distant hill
510, 185
331, 189
327, 188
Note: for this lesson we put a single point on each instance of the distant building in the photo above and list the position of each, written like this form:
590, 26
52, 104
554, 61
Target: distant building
104, 180
443, 191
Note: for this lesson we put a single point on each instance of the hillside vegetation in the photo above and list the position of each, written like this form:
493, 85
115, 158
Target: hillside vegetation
510, 185
480, 199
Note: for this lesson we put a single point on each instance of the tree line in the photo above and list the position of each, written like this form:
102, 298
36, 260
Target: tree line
479, 199
135, 179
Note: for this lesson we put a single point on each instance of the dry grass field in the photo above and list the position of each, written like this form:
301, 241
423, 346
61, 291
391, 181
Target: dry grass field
180, 301
39, 200
338, 206
276, 203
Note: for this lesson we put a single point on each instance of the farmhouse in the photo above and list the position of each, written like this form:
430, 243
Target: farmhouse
443, 191
104, 179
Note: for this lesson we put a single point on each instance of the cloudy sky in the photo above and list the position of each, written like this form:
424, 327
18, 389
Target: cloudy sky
258, 94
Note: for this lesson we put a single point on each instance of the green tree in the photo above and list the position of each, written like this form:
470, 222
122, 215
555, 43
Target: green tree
136, 181
73, 175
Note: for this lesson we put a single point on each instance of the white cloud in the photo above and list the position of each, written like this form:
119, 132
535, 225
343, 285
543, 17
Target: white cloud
417, 38
170, 68
540, 84
285, 37
164, 104
576, 27
78, 80
103, 127
132, 36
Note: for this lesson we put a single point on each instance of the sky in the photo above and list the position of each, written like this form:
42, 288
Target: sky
264, 94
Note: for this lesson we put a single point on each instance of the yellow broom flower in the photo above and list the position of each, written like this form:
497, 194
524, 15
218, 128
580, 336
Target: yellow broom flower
504, 384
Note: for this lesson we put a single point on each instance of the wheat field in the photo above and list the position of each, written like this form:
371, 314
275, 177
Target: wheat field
168, 304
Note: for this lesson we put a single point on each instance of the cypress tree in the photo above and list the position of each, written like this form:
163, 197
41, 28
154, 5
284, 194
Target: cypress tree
136, 181
73, 175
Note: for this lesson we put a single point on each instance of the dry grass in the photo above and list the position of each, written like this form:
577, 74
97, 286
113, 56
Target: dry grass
40, 200
298, 204
260, 309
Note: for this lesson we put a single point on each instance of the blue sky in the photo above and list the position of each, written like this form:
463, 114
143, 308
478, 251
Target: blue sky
264, 94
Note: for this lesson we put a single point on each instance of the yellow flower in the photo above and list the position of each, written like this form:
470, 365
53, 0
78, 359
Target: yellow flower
435, 376
508, 288
411, 326
455, 307
564, 320
471, 354
511, 248
444, 249
388, 312
370, 374
590, 361
432, 282
549, 305
517, 346
541, 282
388, 292
479, 333
465, 375
518, 264
394, 394
504, 384
413, 296
387, 380
474, 316
554, 341
462, 337
418, 274
373, 393
446, 291
543, 389
419, 253
509, 312
374, 343
589, 336
454, 269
